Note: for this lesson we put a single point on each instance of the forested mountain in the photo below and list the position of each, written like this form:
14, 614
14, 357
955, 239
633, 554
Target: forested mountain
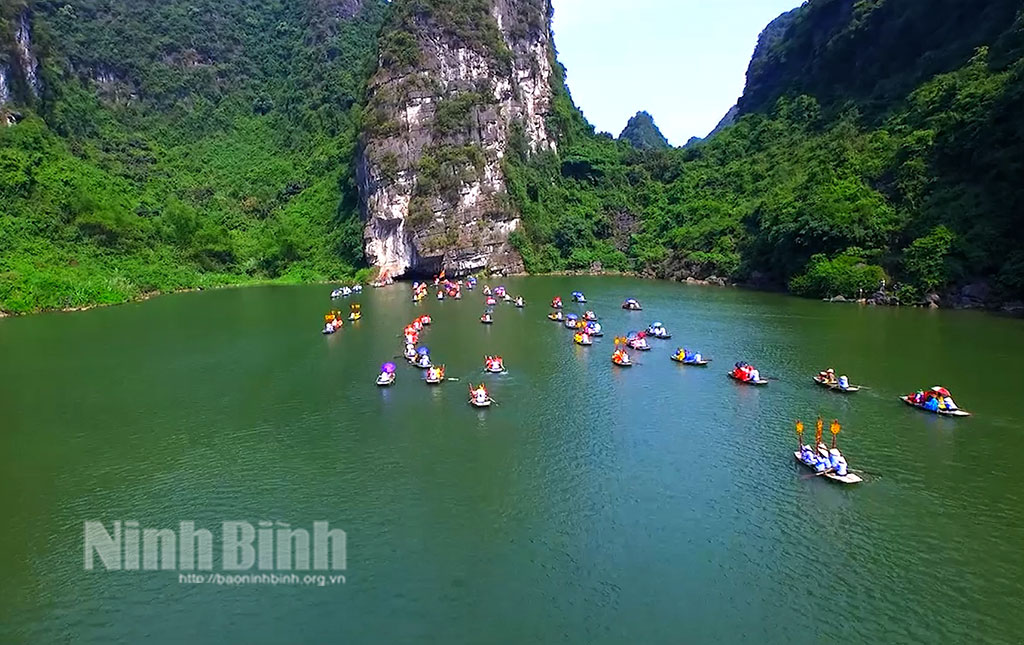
176, 144
642, 132
875, 140
154, 146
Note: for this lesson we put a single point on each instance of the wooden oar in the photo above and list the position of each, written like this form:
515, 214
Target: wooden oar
813, 475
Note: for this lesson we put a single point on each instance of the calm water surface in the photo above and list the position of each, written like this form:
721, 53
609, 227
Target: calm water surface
659, 504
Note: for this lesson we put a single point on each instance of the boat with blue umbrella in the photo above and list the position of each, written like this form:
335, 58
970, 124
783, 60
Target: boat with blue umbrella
657, 330
422, 359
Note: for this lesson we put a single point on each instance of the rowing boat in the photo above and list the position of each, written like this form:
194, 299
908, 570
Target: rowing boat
480, 404
944, 413
848, 478
700, 363
835, 386
739, 380
384, 380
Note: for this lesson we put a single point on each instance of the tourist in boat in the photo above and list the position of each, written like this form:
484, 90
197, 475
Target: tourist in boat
486, 318
520, 303
594, 329
658, 330
556, 303
684, 355
490, 301
637, 341
828, 376
435, 375
479, 396
590, 316
632, 304
422, 358
937, 399
410, 351
620, 357
356, 312
494, 364
746, 373
578, 296
487, 290
425, 320
332, 322
556, 316
387, 374
582, 338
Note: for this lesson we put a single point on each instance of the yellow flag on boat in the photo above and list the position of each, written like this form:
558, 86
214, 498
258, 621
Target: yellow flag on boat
835, 427
799, 428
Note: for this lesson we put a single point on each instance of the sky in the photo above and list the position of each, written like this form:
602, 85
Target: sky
684, 61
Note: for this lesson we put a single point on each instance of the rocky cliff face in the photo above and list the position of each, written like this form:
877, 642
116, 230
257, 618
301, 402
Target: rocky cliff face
19, 67
5, 86
28, 62
458, 84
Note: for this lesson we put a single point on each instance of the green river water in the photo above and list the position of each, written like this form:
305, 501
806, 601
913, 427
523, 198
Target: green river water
659, 504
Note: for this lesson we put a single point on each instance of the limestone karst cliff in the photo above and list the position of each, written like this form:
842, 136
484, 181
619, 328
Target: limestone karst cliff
456, 86
19, 66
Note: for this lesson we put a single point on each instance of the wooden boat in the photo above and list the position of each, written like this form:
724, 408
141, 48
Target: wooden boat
495, 370
835, 386
848, 478
639, 344
700, 363
480, 404
435, 381
586, 342
487, 320
622, 363
944, 413
555, 317
739, 380
384, 380
423, 366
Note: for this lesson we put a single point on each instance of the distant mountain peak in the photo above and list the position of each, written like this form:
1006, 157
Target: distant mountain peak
643, 133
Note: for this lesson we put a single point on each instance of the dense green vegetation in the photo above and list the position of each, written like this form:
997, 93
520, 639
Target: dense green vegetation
191, 144
643, 133
825, 192
184, 144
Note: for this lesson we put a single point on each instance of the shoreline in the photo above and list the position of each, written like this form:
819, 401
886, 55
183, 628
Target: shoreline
1009, 309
